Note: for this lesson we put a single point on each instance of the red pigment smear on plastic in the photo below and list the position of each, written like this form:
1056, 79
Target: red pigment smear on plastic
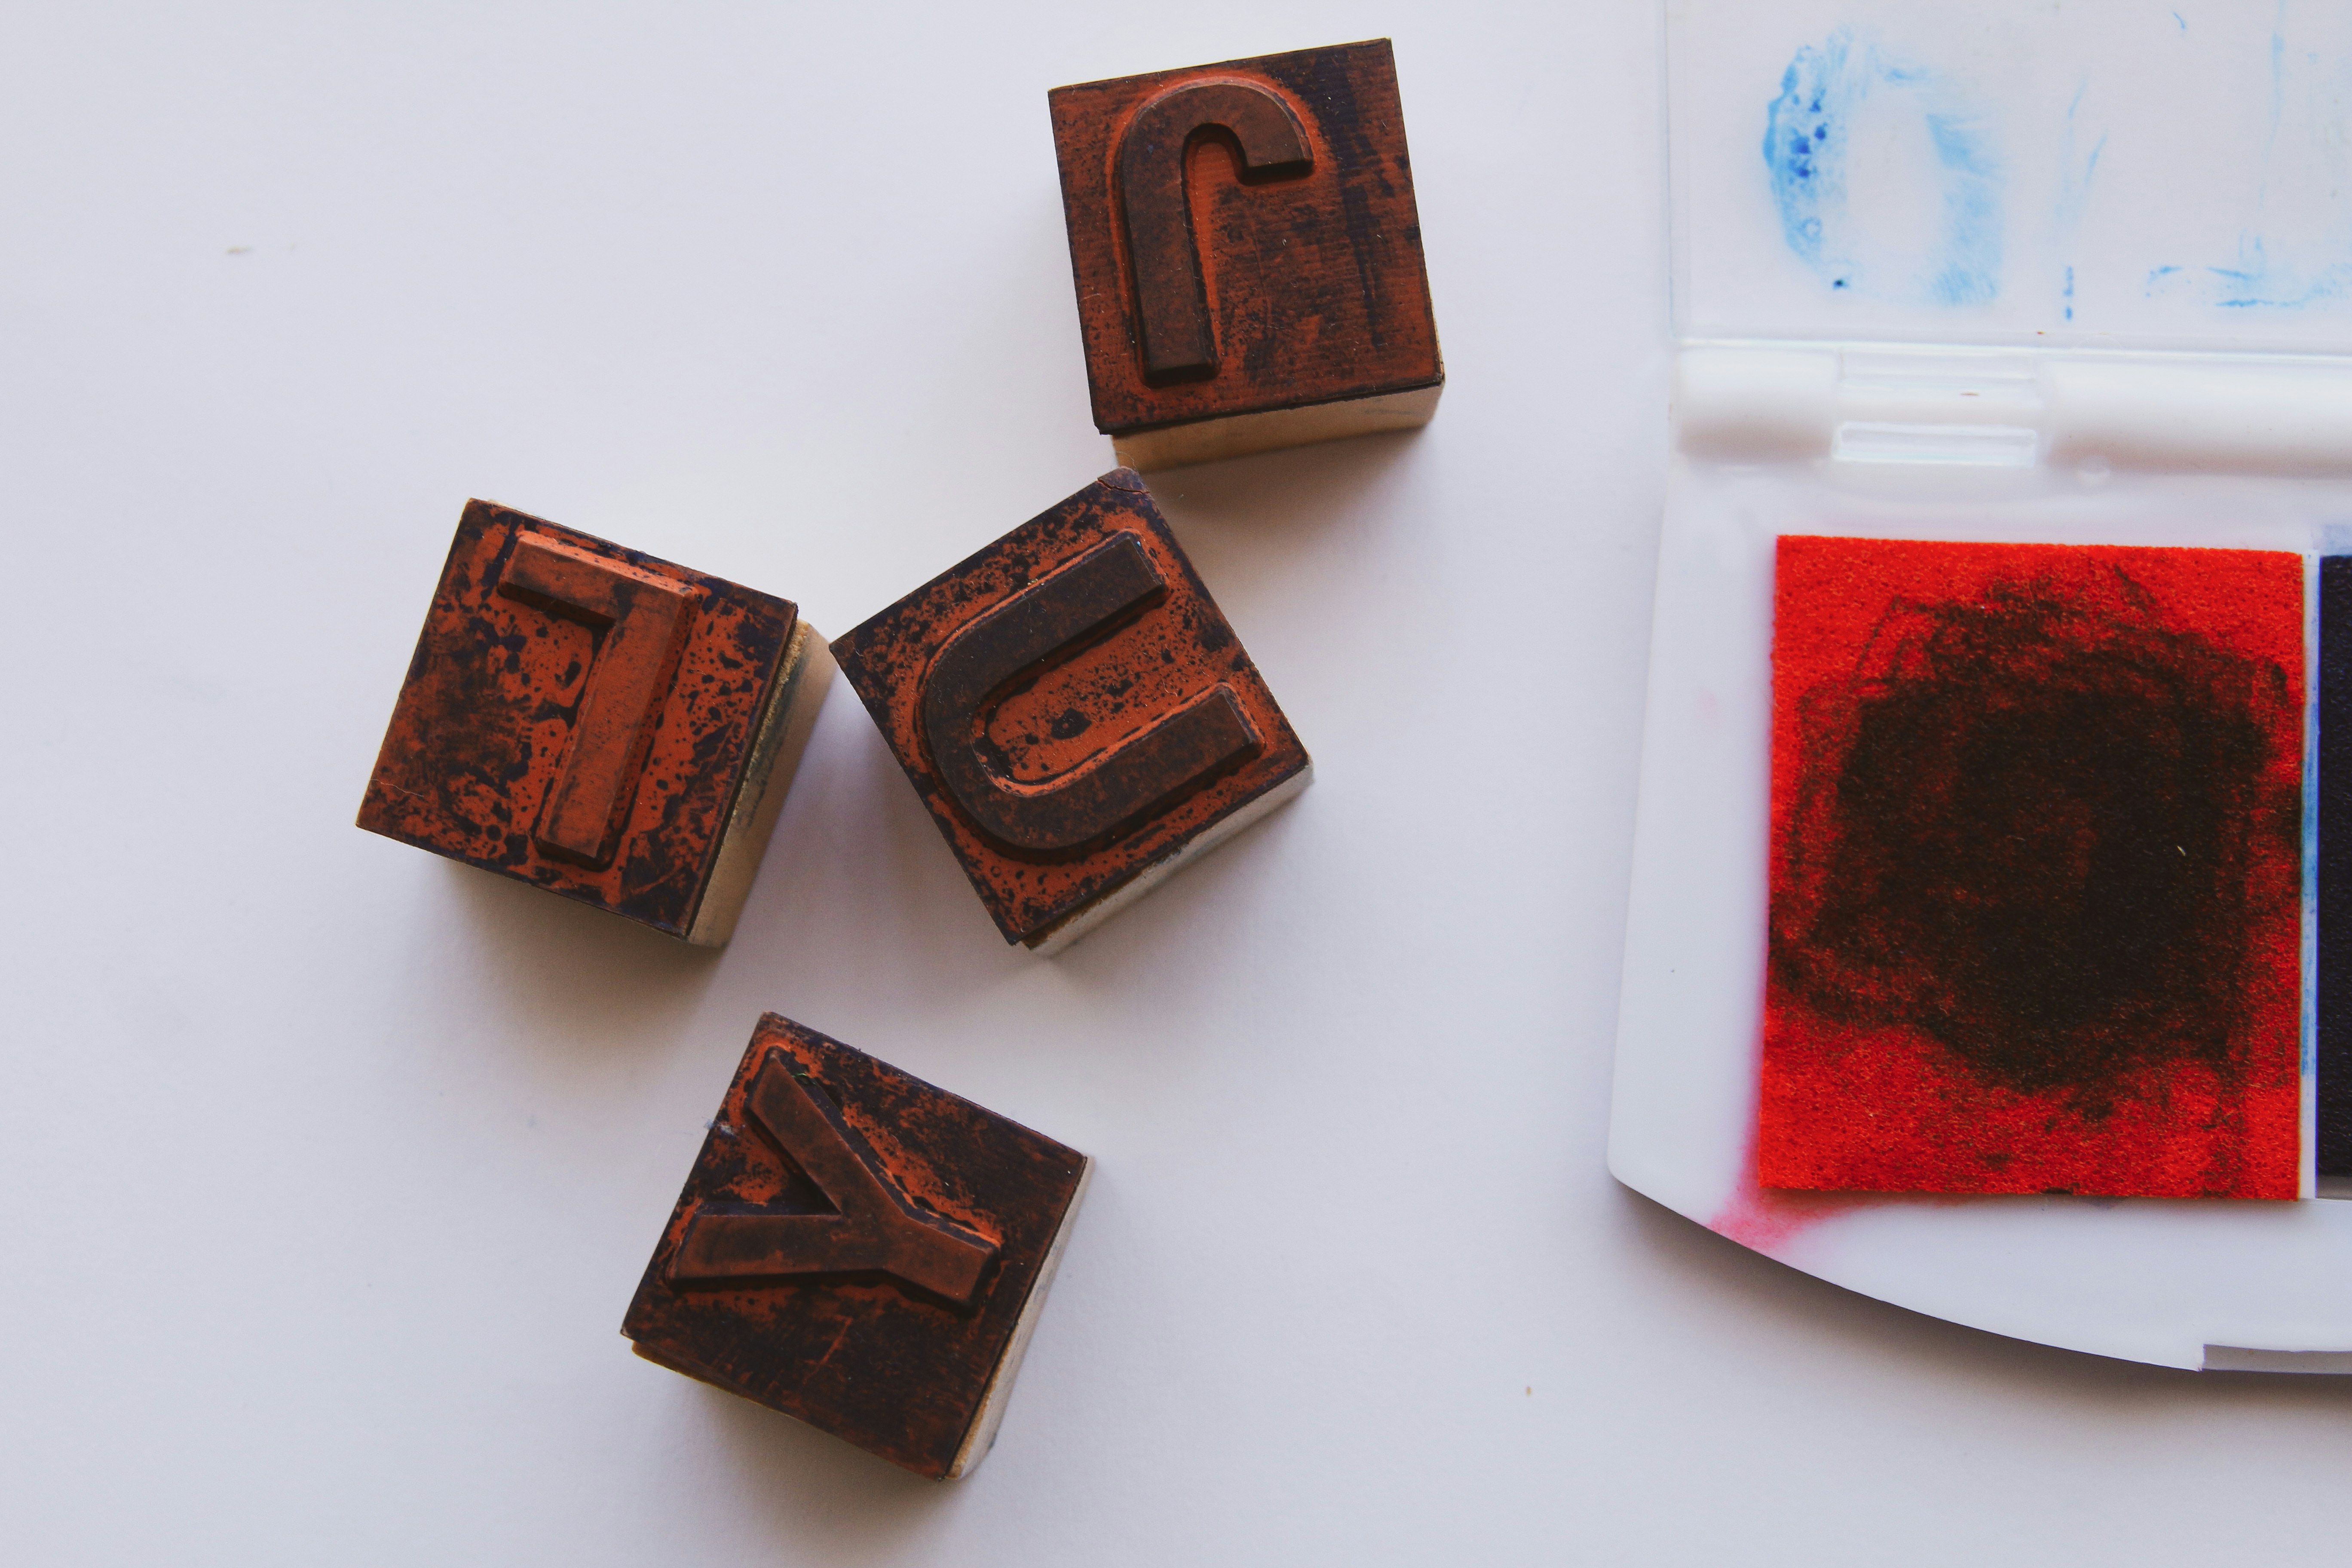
2036, 872
1767, 1220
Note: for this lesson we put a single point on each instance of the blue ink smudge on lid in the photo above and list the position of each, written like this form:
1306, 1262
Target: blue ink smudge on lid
2292, 250
1929, 133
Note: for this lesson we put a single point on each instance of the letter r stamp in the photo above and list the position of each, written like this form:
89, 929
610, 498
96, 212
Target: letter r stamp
1247, 254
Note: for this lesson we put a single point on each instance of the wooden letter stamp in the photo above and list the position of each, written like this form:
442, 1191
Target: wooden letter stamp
861, 1250
1076, 712
1247, 254
611, 727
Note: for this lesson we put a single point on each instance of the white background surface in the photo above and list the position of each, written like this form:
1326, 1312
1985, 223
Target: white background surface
326, 1167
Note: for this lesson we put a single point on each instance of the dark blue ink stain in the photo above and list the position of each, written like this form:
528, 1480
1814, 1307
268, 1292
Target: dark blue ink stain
1806, 135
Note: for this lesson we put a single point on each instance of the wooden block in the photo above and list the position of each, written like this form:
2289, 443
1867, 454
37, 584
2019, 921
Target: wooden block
861, 1250
609, 727
1076, 712
1247, 254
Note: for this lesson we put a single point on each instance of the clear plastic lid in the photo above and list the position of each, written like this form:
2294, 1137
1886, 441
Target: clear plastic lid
2170, 176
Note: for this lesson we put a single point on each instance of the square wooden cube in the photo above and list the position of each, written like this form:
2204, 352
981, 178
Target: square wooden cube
1076, 712
1247, 254
609, 727
861, 1250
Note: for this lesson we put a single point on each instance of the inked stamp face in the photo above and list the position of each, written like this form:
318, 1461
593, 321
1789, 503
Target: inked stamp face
2036, 870
580, 716
1072, 708
859, 1249
1243, 237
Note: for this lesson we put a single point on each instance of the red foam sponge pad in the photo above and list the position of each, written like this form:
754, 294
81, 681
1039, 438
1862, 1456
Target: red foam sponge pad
2036, 870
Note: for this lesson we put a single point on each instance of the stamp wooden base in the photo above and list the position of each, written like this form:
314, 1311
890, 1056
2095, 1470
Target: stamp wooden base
783, 734
1239, 435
